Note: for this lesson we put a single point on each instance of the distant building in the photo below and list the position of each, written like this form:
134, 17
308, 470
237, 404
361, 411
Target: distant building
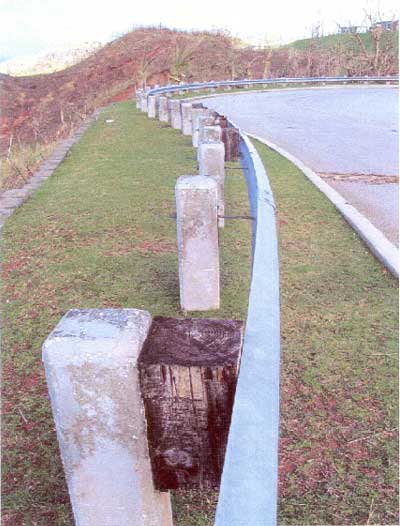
386, 25
352, 29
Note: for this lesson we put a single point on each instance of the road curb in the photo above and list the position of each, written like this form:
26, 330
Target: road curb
379, 245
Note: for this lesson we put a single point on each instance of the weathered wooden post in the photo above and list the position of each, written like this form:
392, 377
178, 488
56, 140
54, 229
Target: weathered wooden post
91, 368
197, 232
211, 163
188, 371
174, 107
231, 139
163, 114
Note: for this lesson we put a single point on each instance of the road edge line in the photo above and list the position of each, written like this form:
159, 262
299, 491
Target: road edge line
377, 242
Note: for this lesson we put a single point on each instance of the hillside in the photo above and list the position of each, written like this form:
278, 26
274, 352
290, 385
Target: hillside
38, 110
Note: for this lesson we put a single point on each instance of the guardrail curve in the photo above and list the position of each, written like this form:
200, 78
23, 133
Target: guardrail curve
173, 88
249, 485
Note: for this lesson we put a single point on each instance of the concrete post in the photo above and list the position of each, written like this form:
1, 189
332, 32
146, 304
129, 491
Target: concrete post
144, 102
174, 108
152, 106
163, 114
197, 113
210, 134
205, 121
138, 96
90, 362
196, 211
186, 109
211, 163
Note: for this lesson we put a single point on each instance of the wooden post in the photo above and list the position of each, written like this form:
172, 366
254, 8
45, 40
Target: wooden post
188, 370
230, 138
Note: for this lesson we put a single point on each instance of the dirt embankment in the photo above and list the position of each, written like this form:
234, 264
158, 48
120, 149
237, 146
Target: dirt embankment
43, 108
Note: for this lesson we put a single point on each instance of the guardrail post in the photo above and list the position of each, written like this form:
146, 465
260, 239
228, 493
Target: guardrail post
152, 106
197, 232
197, 113
186, 109
163, 113
211, 164
208, 134
143, 102
174, 108
138, 96
91, 368
230, 138
188, 417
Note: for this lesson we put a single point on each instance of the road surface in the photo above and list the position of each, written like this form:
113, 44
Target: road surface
341, 130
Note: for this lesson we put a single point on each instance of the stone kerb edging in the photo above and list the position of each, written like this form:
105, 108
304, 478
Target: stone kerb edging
10, 200
379, 245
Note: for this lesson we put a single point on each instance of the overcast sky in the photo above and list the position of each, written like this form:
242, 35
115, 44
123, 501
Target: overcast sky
31, 26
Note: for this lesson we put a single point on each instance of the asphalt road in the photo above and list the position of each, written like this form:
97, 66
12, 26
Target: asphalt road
349, 130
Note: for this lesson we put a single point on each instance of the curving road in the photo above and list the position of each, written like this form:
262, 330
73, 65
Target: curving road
350, 131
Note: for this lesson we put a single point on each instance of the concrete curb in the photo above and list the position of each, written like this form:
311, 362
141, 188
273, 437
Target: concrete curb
379, 245
10, 200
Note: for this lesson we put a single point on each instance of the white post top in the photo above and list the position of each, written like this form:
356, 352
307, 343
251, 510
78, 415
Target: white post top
91, 335
191, 182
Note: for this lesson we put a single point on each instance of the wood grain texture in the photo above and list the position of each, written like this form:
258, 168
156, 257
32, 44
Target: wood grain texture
188, 371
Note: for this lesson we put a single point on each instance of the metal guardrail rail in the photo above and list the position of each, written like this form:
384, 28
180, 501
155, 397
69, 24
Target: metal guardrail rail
249, 486
173, 88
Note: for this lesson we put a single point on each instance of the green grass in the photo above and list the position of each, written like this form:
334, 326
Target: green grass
338, 450
98, 233
346, 41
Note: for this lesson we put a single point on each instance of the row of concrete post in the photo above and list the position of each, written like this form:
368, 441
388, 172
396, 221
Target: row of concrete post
91, 357
199, 199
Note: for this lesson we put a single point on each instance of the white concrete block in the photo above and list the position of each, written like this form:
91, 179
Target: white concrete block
212, 164
186, 110
174, 108
152, 106
163, 114
197, 113
143, 102
138, 99
208, 134
196, 210
90, 362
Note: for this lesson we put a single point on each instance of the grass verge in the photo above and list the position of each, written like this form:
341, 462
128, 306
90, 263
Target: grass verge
97, 234
338, 446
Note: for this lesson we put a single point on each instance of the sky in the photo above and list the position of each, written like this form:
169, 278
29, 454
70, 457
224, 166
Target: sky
28, 27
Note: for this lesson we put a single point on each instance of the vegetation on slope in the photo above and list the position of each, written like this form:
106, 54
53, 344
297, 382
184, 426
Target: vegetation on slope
44, 108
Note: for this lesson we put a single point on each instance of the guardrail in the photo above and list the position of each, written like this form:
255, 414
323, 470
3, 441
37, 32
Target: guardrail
173, 88
249, 485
